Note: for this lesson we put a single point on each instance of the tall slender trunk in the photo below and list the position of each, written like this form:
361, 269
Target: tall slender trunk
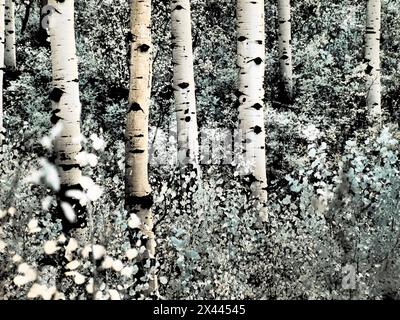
372, 58
25, 20
285, 50
10, 56
138, 190
251, 56
2, 35
65, 96
184, 88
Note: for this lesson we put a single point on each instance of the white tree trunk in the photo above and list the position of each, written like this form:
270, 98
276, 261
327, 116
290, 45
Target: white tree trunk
372, 58
10, 57
138, 191
285, 50
65, 94
184, 87
2, 35
251, 63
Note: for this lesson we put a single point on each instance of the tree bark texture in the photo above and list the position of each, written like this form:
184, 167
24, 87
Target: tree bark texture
10, 56
285, 50
65, 94
251, 63
183, 83
372, 58
138, 190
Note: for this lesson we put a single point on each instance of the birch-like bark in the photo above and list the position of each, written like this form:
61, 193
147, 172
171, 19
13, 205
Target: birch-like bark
2, 47
183, 83
251, 63
10, 56
65, 93
372, 58
138, 190
285, 50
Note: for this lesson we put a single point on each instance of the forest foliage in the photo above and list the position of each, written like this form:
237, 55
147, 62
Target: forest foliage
333, 182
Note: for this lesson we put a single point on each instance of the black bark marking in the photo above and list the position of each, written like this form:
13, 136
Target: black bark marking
144, 47
135, 107
257, 61
257, 130
68, 167
257, 106
129, 37
183, 85
146, 202
56, 94
54, 117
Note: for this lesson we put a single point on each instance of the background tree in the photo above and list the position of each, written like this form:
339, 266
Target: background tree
251, 62
285, 49
65, 98
372, 58
2, 34
138, 191
10, 54
184, 87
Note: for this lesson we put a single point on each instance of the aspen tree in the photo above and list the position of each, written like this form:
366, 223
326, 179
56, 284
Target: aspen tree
10, 57
138, 190
183, 83
2, 35
251, 56
285, 50
372, 58
65, 94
